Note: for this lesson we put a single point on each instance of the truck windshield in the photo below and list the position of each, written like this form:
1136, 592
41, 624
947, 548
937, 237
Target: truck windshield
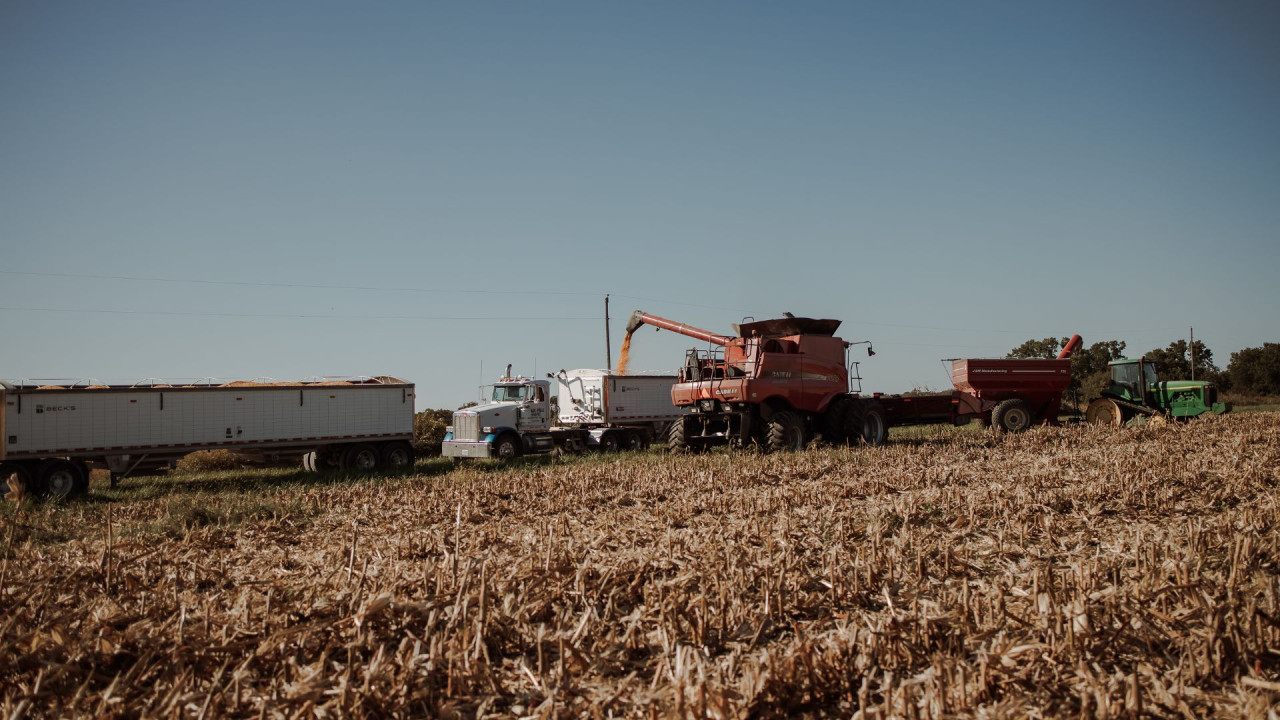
510, 393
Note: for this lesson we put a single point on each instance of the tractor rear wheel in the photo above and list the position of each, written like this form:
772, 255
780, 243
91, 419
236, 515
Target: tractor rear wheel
1104, 411
785, 431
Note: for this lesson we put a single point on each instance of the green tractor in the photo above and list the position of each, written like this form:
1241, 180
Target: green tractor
1135, 395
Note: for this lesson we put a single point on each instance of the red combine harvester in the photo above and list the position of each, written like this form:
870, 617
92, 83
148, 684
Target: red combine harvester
779, 383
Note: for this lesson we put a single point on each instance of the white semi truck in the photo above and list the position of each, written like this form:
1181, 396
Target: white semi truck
52, 434
596, 409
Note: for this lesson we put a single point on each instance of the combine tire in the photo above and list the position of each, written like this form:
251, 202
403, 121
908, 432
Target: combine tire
1013, 415
1104, 412
507, 447
835, 423
62, 479
875, 426
397, 455
785, 431
360, 458
676, 440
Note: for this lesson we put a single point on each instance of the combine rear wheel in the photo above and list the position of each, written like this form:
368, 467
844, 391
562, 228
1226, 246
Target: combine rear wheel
1104, 411
1013, 415
785, 431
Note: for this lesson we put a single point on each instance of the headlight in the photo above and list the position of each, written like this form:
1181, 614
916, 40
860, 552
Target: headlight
707, 405
487, 428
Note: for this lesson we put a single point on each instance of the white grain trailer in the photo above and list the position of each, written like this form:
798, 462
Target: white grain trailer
51, 435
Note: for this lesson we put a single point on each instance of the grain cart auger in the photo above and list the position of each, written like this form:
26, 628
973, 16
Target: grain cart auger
777, 384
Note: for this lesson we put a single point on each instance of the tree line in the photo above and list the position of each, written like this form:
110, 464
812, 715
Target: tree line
1251, 371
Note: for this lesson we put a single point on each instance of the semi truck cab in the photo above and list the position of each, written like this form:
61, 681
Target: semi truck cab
514, 418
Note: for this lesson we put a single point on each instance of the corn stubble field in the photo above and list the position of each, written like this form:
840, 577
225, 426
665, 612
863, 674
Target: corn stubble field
1067, 571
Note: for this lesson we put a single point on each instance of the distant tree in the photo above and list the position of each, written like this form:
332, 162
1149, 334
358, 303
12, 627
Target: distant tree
428, 431
1046, 348
1256, 370
1174, 363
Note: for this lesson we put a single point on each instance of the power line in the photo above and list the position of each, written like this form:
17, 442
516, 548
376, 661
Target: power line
308, 316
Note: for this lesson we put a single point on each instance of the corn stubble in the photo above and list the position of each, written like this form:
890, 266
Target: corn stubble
1072, 571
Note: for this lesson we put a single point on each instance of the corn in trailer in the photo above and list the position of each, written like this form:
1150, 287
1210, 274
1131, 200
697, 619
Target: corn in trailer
52, 435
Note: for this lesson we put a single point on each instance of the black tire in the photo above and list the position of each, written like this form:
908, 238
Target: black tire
61, 479
784, 431
609, 442
632, 441
676, 440
835, 423
875, 424
396, 455
17, 482
506, 447
360, 458
1012, 415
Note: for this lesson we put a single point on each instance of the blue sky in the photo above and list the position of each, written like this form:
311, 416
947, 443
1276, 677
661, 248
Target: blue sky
290, 189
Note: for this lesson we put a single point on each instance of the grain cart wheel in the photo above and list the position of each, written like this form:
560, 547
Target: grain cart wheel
609, 442
1012, 415
507, 447
1104, 411
875, 426
60, 479
396, 455
360, 458
676, 440
17, 482
835, 423
784, 431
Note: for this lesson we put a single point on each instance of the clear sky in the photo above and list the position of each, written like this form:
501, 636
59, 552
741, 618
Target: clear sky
290, 189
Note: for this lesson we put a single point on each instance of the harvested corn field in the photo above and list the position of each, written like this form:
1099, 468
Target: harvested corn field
1066, 571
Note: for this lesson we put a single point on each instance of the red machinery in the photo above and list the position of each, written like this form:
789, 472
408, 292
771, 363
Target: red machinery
1010, 393
777, 384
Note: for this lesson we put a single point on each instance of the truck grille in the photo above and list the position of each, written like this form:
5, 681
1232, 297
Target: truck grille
466, 426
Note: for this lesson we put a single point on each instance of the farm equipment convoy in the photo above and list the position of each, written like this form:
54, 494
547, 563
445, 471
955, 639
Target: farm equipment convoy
1135, 392
780, 383
52, 435
597, 410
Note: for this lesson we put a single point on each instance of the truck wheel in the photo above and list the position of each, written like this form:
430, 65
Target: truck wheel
875, 427
676, 440
835, 423
1012, 415
360, 458
397, 455
17, 482
785, 432
633, 441
507, 447
61, 479
609, 442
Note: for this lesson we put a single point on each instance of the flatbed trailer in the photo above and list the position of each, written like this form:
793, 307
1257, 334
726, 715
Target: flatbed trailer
51, 435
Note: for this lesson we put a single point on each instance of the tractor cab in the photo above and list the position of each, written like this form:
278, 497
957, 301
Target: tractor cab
1131, 379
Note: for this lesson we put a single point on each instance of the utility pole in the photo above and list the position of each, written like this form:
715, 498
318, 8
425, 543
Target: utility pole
608, 351
1192, 349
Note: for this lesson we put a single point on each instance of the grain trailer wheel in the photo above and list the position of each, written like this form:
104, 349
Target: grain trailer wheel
396, 455
507, 447
360, 458
61, 479
633, 442
784, 431
1012, 415
1104, 411
875, 424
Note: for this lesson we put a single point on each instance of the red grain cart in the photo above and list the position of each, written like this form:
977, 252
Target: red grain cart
1010, 393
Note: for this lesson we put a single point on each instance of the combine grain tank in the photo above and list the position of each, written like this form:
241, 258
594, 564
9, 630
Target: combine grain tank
51, 435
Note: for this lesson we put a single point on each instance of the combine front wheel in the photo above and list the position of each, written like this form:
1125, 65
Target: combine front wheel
676, 440
785, 432
1104, 411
